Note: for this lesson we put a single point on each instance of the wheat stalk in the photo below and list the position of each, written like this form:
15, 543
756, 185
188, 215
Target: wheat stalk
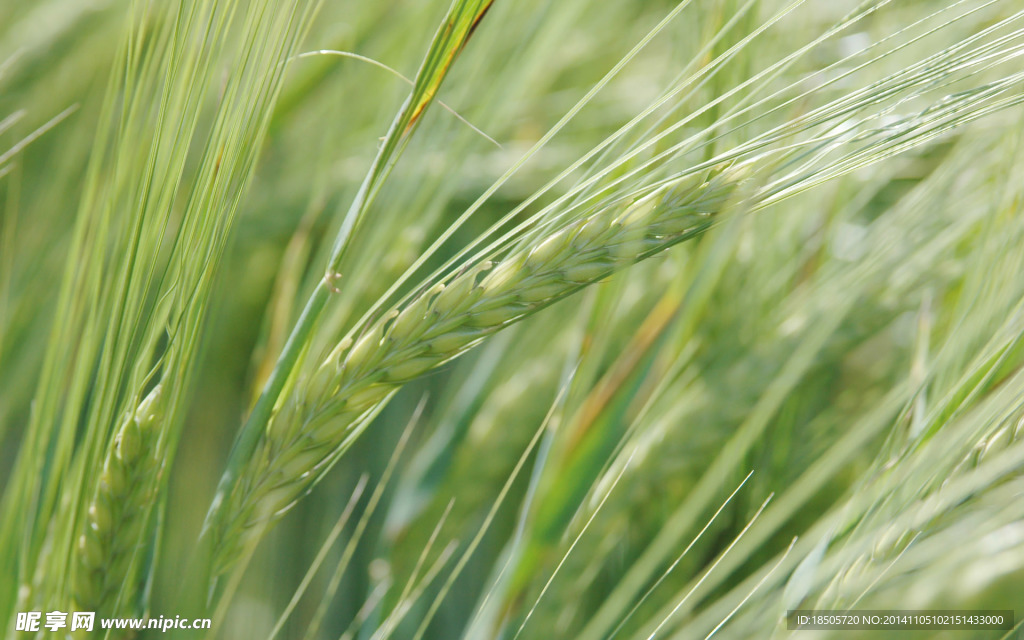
330, 408
116, 516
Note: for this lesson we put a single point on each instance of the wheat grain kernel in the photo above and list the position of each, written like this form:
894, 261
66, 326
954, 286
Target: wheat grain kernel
546, 251
506, 274
113, 477
99, 513
129, 443
91, 548
541, 292
410, 322
493, 317
408, 369
366, 350
448, 342
460, 294
584, 273
366, 397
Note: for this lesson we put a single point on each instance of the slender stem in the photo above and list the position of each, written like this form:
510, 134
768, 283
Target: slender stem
245, 444
249, 435
368, 189
387, 154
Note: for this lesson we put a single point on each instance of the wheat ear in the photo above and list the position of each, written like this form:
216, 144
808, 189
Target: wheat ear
327, 411
117, 513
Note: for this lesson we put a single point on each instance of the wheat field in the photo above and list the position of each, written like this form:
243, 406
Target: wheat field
510, 319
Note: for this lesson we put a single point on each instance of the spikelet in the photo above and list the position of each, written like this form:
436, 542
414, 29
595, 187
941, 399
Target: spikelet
118, 511
443, 322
